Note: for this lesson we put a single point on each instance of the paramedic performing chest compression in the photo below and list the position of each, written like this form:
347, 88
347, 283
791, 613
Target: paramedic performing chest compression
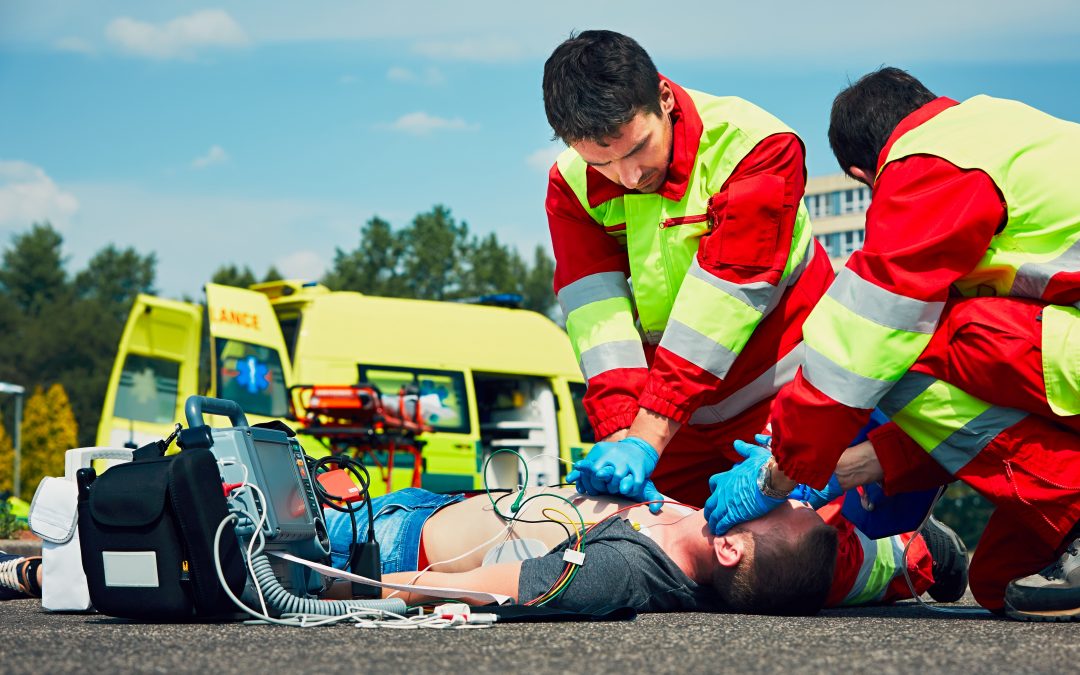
960, 320
698, 200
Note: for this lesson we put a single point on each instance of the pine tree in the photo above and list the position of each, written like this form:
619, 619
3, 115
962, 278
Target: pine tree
231, 275
49, 430
7, 461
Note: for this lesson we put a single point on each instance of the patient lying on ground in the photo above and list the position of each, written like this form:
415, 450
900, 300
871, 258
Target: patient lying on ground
779, 564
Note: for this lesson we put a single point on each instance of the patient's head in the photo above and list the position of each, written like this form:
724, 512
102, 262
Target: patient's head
781, 563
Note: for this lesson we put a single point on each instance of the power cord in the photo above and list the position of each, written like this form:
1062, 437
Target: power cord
363, 478
907, 575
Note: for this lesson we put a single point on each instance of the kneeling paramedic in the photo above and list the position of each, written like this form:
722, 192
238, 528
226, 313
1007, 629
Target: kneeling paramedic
698, 198
970, 200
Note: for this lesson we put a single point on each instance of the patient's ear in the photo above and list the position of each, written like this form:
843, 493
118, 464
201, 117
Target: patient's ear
730, 548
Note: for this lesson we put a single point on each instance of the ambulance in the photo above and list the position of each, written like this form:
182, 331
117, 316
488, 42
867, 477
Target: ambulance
487, 377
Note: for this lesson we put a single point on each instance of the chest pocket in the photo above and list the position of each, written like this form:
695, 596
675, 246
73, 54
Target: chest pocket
748, 217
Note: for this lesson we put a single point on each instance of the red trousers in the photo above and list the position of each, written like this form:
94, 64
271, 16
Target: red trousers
992, 349
697, 452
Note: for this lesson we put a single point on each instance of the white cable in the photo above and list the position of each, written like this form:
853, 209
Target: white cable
258, 536
907, 576
301, 620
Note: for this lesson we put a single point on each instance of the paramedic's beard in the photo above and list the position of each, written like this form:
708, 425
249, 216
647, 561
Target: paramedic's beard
655, 180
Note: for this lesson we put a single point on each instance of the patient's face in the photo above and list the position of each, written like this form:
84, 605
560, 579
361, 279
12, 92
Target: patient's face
791, 520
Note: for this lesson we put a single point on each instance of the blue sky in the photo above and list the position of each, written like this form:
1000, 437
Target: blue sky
266, 133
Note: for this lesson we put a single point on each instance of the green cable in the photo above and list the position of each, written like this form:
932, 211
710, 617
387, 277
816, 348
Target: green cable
519, 503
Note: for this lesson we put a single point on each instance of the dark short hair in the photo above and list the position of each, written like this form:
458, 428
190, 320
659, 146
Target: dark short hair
865, 114
784, 577
595, 82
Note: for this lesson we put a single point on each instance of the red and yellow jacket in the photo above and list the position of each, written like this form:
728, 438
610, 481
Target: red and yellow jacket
952, 213
690, 301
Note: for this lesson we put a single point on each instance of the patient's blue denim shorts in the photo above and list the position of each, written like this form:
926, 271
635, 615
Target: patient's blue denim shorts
399, 520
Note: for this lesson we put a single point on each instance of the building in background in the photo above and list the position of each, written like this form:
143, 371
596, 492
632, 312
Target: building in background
837, 206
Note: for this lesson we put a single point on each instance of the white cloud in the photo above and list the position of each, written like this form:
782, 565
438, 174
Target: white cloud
348, 79
215, 155
181, 37
28, 195
484, 50
542, 159
420, 123
430, 76
307, 265
75, 45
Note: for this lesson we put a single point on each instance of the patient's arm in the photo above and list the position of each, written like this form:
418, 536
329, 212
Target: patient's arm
501, 579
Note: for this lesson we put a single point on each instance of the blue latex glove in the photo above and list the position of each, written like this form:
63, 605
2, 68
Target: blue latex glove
619, 468
818, 498
736, 497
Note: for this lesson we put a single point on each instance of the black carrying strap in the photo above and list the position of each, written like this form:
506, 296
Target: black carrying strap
530, 614
199, 507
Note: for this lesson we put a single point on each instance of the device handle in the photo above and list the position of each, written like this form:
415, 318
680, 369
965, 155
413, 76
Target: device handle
81, 458
196, 406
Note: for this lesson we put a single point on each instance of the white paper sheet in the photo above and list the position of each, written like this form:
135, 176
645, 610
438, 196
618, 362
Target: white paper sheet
433, 591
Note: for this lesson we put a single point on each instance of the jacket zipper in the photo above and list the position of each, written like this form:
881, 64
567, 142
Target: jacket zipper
683, 220
664, 246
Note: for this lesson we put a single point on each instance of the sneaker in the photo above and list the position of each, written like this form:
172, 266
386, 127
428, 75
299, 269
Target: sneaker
950, 568
18, 576
1051, 595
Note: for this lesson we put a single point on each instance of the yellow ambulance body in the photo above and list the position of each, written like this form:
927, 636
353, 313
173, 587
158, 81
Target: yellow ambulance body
488, 377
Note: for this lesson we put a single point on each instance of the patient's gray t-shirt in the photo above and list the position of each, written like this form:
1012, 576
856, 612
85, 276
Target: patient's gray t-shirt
623, 568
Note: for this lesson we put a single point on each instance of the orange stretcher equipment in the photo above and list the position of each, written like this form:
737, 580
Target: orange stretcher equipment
352, 419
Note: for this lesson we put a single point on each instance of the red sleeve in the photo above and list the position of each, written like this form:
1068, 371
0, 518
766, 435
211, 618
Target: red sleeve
906, 466
582, 247
754, 215
929, 224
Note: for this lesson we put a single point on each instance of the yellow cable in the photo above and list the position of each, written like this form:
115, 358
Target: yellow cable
566, 519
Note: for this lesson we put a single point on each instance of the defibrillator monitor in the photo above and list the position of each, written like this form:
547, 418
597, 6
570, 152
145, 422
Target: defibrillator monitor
274, 462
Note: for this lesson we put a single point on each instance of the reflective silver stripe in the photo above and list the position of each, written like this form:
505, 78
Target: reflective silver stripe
871, 549
963, 444
756, 294
797, 271
1033, 278
760, 388
904, 392
884, 307
843, 386
869, 552
698, 349
612, 355
593, 288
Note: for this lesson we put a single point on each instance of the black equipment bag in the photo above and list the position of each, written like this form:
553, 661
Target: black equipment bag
146, 529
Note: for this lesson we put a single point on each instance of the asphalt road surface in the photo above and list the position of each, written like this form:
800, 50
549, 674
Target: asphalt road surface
903, 638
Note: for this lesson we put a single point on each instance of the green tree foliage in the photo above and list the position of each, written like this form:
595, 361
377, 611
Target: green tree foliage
374, 266
538, 287
113, 278
65, 330
965, 511
434, 258
48, 431
32, 274
231, 275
